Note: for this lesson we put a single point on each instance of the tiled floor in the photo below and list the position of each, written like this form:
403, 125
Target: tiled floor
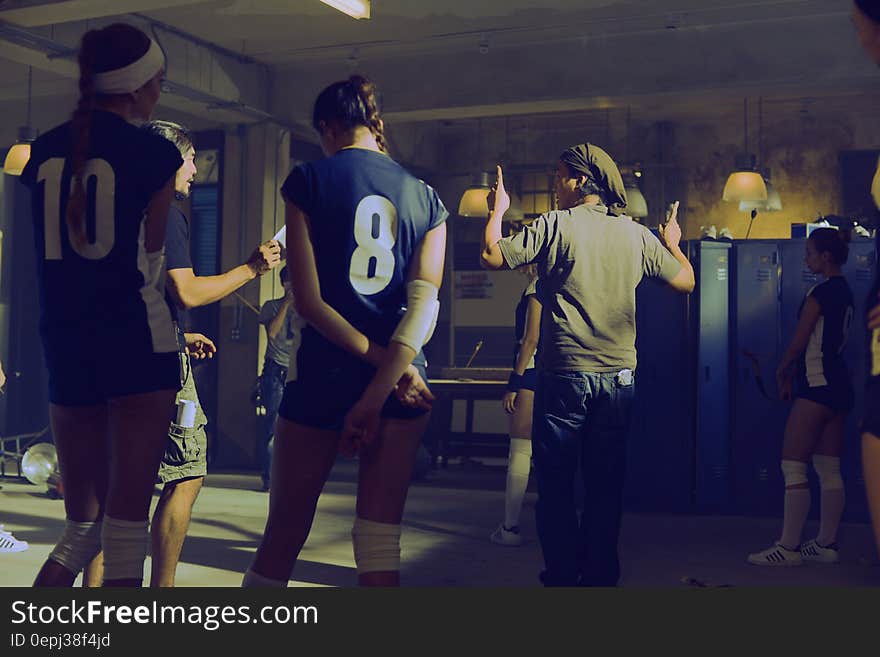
449, 517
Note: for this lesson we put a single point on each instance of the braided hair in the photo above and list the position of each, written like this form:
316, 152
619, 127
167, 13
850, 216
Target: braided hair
351, 103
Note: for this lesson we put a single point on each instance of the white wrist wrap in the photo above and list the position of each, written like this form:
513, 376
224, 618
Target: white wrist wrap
418, 322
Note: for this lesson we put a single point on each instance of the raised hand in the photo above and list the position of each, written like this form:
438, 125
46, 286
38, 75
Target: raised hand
670, 232
498, 200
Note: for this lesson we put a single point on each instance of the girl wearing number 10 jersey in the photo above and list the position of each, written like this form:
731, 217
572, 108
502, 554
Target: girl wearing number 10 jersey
366, 242
101, 190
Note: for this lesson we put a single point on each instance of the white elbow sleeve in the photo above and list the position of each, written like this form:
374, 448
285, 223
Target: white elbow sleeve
418, 322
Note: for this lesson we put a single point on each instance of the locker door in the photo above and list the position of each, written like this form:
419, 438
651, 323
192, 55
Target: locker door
758, 417
712, 373
660, 447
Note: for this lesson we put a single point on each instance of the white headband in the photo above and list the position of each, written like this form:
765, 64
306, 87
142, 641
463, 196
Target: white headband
130, 78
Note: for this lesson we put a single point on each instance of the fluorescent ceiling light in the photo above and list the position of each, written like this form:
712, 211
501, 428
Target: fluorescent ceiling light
354, 8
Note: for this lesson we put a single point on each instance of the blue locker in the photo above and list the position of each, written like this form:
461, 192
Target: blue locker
679, 443
758, 417
712, 453
660, 446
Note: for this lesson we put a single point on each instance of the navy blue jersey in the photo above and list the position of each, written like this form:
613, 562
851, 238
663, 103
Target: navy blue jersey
822, 362
520, 321
177, 256
100, 286
366, 214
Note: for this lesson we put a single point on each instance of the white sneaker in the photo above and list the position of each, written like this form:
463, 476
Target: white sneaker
776, 555
812, 551
8, 542
504, 536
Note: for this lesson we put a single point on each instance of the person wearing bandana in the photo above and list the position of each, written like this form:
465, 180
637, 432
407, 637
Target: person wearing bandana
590, 258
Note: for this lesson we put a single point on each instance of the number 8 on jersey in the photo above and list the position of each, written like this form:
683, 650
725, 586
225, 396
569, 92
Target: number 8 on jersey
375, 231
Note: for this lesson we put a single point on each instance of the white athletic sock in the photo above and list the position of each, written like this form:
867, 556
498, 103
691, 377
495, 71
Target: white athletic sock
255, 580
519, 464
797, 507
829, 515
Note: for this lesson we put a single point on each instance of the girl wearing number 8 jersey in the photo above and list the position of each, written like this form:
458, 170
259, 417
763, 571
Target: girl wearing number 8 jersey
101, 190
366, 243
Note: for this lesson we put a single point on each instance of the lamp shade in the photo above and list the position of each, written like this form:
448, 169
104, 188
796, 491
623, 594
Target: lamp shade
17, 158
473, 201
18, 155
636, 205
745, 186
772, 204
515, 211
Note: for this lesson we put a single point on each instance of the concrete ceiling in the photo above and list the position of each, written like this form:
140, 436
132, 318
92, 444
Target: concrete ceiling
462, 59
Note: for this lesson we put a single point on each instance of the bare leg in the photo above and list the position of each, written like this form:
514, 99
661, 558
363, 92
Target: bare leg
383, 481
301, 462
80, 434
803, 431
833, 495
171, 521
93, 574
138, 431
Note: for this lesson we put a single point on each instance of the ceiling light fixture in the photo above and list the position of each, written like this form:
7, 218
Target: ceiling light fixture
745, 183
359, 9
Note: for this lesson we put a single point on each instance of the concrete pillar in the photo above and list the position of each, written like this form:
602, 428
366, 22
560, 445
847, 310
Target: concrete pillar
256, 162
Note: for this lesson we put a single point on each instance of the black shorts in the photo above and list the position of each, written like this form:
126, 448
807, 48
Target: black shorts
839, 397
871, 418
90, 371
321, 398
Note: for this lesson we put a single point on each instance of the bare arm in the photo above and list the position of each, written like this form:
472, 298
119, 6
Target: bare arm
274, 327
191, 291
499, 201
426, 266
809, 317
670, 235
309, 303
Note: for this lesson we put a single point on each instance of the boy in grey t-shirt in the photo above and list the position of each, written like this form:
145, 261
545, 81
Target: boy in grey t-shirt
590, 259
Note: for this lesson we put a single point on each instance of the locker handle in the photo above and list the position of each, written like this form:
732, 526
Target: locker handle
708, 376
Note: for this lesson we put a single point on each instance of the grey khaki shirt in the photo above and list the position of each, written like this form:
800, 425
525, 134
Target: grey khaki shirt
589, 265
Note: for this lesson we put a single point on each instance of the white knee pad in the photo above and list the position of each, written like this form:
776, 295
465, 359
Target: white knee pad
376, 546
78, 545
828, 470
125, 548
794, 472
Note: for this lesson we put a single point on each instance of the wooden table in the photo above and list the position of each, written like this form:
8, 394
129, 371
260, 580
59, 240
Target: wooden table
447, 391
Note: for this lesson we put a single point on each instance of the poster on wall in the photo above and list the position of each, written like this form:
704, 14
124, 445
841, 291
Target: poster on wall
473, 285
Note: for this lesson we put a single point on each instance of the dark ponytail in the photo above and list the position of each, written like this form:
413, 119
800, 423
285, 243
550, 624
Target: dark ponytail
103, 50
834, 241
349, 104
